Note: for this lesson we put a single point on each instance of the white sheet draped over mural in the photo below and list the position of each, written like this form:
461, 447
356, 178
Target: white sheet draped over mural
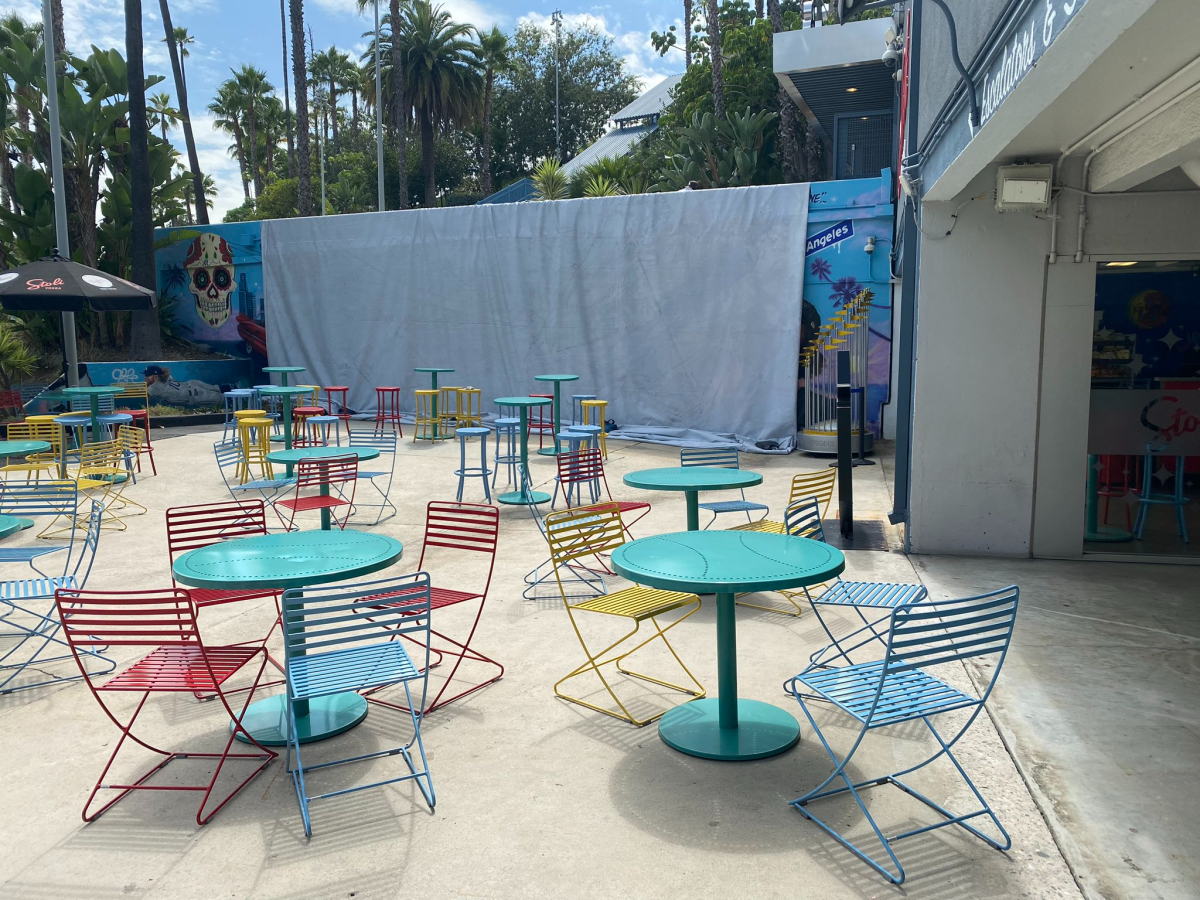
682, 310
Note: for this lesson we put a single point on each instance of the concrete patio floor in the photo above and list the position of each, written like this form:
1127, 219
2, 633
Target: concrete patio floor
538, 797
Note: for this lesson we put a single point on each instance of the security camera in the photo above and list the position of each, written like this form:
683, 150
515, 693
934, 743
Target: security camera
891, 56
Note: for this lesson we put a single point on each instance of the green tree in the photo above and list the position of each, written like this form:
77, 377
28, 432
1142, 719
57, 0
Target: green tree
177, 40
228, 109
493, 54
593, 85
443, 86
181, 40
252, 89
162, 113
146, 338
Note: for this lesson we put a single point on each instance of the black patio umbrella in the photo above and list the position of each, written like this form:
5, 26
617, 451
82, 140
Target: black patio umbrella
55, 284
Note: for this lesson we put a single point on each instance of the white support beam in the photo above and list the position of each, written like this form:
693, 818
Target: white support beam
1161, 143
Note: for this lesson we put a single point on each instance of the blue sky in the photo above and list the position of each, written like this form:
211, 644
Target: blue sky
231, 32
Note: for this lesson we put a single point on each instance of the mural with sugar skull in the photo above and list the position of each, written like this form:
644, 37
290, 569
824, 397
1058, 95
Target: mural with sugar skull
210, 270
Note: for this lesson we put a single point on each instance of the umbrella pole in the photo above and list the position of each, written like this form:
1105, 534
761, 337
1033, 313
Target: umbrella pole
70, 349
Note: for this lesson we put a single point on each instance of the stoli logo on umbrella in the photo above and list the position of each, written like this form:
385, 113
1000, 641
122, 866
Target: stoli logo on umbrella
37, 284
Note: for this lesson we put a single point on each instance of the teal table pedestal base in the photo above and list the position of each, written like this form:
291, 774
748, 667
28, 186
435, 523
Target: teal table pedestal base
547, 451
25, 523
327, 716
517, 498
762, 730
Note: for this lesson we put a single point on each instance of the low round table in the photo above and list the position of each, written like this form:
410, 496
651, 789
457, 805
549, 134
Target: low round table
558, 380
21, 449
523, 405
294, 559
11, 525
727, 563
284, 371
93, 394
691, 480
293, 456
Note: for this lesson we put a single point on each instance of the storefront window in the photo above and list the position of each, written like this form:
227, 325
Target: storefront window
1144, 436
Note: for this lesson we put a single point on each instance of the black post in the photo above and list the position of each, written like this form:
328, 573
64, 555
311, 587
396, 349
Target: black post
845, 461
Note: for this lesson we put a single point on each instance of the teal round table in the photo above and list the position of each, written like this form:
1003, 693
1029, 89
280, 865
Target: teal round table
558, 380
93, 394
523, 405
11, 525
727, 563
691, 480
432, 372
293, 559
293, 456
284, 371
21, 449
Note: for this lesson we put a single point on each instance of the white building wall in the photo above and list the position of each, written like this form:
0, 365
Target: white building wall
978, 352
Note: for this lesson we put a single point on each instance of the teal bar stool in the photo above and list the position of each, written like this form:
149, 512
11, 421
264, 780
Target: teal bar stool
508, 449
481, 471
577, 417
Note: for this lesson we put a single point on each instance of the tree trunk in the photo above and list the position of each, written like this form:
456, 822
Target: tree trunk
240, 147
287, 102
333, 114
488, 86
714, 48
147, 339
789, 147
184, 117
758, 8
398, 105
60, 35
304, 197
687, 33
252, 136
354, 117
427, 158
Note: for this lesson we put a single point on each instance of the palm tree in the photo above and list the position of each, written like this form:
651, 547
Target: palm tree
493, 53
443, 86
177, 50
304, 199
336, 68
227, 107
687, 33
145, 337
252, 88
789, 145
351, 82
210, 193
161, 111
714, 50
287, 101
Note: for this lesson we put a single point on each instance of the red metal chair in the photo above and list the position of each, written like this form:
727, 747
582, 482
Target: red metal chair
460, 528
193, 527
340, 391
541, 419
585, 468
300, 417
334, 477
179, 663
387, 409
1118, 479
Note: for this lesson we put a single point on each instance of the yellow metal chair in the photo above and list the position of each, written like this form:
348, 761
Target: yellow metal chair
426, 428
254, 437
807, 484
577, 533
35, 464
103, 476
594, 413
316, 395
467, 413
448, 400
132, 442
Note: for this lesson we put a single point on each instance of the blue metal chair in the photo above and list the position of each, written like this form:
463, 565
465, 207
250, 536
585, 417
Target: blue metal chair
28, 612
481, 471
901, 688
229, 456
235, 401
508, 449
385, 442
577, 417
344, 638
1153, 466
803, 518
105, 404
584, 581
724, 458
55, 499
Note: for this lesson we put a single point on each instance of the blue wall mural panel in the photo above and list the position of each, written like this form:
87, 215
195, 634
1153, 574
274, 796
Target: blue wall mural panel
842, 216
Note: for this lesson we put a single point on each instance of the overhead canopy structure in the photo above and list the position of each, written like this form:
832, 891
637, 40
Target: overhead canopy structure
633, 124
54, 284
836, 76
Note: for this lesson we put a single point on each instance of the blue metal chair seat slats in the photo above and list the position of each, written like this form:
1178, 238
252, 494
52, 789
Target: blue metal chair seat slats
30, 499
724, 458
338, 640
385, 442
900, 688
38, 648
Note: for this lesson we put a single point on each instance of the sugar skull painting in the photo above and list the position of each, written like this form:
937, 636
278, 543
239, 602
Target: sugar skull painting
209, 266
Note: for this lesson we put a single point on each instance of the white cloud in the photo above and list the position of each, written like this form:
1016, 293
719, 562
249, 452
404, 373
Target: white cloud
470, 11
212, 150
